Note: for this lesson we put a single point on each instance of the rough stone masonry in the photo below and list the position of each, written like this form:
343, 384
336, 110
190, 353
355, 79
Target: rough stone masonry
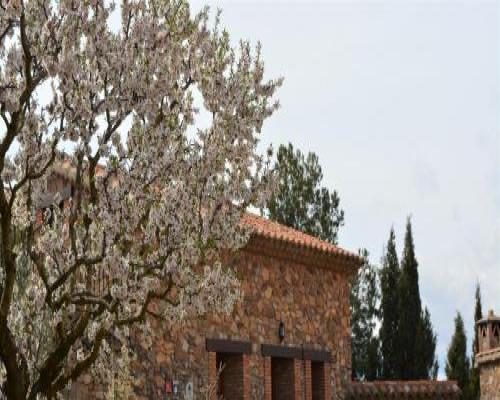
488, 357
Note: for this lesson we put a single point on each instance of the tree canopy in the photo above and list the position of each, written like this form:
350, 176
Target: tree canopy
457, 363
410, 306
154, 197
300, 201
426, 363
364, 302
408, 340
475, 391
389, 310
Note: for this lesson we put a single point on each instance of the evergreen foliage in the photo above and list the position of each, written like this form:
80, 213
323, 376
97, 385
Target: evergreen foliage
410, 308
457, 363
474, 379
389, 278
426, 364
408, 341
404, 347
300, 201
364, 300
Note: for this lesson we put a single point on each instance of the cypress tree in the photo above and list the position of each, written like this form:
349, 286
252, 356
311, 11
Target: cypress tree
364, 301
426, 364
410, 308
457, 363
408, 340
373, 359
389, 278
474, 380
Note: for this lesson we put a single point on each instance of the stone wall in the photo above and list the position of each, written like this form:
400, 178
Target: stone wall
490, 381
488, 363
311, 301
488, 358
402, 390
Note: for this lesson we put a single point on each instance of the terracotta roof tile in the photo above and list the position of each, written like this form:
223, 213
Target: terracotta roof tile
272, 230
424, 390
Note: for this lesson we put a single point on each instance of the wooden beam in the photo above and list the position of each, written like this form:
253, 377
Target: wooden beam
269, 350
228, 346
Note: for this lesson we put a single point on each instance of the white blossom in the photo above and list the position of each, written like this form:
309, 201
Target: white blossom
152, 200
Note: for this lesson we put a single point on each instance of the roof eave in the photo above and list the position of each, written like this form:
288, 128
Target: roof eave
345, 263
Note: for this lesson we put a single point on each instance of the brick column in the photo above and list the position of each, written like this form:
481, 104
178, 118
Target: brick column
246, 378
327, 381
307, 379
268, 386
212, 369
297, 366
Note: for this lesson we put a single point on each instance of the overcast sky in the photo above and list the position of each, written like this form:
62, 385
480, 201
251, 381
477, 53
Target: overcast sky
401, 102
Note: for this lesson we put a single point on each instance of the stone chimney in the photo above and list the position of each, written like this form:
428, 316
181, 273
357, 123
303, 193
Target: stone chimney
487, 360
488, 331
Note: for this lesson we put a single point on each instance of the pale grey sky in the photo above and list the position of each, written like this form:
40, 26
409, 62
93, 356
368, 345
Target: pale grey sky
401, 101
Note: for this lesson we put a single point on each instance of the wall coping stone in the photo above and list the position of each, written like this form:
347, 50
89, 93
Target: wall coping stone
424, 389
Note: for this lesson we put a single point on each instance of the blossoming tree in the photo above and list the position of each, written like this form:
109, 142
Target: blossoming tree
155, 194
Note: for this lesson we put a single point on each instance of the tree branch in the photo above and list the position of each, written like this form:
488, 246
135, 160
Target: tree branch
54, 363
33, 175
81, 366
17, 373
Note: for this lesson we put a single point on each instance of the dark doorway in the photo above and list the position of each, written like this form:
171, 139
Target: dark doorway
230, 385
318, 380
282, 378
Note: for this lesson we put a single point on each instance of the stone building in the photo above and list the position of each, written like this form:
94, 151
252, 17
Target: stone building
288, 339
488, 357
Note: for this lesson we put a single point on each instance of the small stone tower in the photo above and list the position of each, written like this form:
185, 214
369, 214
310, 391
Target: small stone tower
489, 332
488, 357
